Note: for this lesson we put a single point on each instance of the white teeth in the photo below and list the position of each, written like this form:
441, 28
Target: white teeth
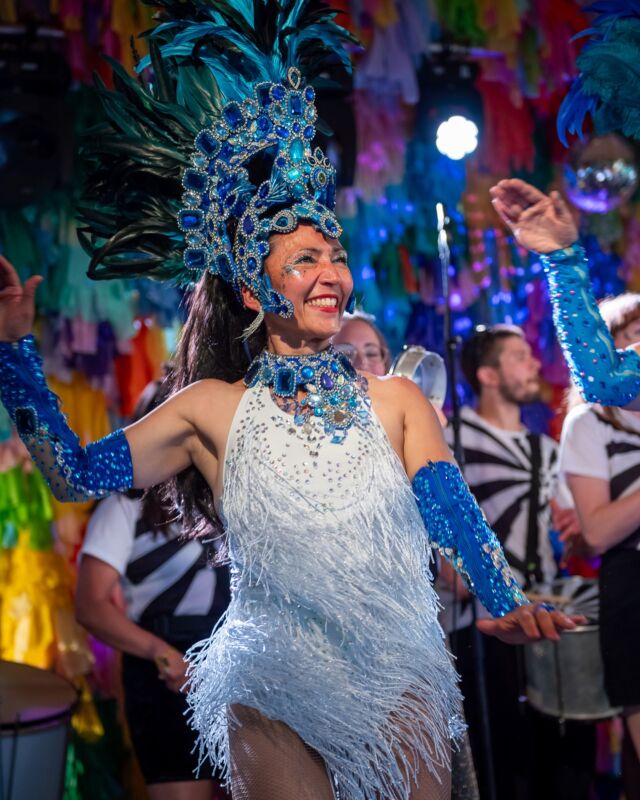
328, 302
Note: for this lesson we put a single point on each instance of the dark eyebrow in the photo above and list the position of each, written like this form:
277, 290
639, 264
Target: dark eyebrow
316, 251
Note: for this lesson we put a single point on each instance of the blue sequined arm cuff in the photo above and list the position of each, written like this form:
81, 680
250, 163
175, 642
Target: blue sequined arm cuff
459, 530
602, 373
73, 472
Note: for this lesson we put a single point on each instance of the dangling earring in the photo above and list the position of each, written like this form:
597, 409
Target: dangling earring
251, 329
351, 303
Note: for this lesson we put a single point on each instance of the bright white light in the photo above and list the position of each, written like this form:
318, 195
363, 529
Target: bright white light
457, 137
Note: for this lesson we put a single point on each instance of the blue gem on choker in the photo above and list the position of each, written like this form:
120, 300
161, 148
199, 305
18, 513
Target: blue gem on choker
332, 389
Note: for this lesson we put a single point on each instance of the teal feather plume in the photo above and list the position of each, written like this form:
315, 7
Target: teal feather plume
202, 55
609, 64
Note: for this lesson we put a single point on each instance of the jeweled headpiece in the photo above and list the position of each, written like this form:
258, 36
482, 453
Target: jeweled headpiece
279, 117
197, 166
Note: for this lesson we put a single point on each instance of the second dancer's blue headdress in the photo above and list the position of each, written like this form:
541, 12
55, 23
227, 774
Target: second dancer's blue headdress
607, 87
201, 163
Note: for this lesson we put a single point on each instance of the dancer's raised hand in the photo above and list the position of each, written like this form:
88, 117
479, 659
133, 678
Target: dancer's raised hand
17, 303
540, 222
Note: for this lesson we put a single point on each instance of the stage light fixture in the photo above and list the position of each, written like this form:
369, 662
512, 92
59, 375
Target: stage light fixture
452, 105
457, 137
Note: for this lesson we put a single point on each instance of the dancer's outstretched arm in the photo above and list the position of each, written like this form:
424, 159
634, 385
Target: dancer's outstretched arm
147, 453
458, 528
544, 224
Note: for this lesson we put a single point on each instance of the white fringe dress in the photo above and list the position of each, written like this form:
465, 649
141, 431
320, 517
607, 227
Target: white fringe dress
332, 627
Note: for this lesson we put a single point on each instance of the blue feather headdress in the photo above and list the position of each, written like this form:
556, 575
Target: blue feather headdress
196, 169
607, 87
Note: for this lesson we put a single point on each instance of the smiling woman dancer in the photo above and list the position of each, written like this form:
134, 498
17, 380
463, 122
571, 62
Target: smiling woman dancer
328, 673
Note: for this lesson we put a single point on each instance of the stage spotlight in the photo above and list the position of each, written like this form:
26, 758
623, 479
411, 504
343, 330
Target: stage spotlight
457, 137
451, 105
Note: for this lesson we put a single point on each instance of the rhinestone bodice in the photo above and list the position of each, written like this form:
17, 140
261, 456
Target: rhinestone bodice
300, 462
281, 478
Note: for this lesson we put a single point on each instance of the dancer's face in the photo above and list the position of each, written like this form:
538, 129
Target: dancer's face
311, 271
517, 376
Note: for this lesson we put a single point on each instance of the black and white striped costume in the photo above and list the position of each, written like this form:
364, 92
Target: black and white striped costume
498, 469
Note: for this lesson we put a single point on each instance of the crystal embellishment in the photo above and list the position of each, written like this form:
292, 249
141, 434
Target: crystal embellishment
331, 388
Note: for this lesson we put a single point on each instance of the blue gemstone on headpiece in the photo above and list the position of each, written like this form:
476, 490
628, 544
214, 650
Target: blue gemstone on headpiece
226, 151
205, 202
293, 174
296, 127
309, 93
264, 95
252, 264
233, 115
307, 373
285, 382
224, 267
278, 92
248, 226
282, 132
296, 150
263, 124
195, 259
207, 143
282, 222
308, 132
334, 367
295, 104
194, 181
263, 191
280, 162
263, 248
190, 219
326, 381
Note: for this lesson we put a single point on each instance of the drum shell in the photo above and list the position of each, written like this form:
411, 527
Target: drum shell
35, 714
565, 678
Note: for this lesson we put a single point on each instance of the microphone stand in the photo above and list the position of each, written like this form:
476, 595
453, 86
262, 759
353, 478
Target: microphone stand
451, 345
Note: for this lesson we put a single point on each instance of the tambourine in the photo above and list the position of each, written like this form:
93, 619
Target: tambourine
424, 368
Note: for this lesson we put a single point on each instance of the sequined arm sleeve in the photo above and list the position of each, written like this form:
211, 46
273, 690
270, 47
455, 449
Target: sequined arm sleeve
73, 472
602, 373
459, 530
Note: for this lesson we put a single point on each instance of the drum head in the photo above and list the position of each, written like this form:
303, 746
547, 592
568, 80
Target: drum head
424, 368
30, 696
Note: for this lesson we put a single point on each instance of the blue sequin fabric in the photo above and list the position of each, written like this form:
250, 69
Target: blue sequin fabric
73, 472
333, 624
457, 527
603, 373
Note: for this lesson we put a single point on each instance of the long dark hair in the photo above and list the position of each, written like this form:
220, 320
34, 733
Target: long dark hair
212, 345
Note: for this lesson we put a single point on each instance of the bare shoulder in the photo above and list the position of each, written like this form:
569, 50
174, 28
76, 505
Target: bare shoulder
401, 392
209, 403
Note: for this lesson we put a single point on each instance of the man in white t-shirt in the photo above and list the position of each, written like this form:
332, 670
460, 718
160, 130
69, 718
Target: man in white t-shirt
514, 476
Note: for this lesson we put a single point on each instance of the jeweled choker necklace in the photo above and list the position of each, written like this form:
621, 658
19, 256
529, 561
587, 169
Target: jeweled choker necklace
333, 390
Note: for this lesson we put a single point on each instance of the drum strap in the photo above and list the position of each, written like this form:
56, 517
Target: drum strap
533, 571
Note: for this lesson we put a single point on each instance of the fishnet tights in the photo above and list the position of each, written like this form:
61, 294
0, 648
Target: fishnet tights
270, 762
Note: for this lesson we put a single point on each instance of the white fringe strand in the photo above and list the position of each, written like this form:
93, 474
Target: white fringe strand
333, 627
